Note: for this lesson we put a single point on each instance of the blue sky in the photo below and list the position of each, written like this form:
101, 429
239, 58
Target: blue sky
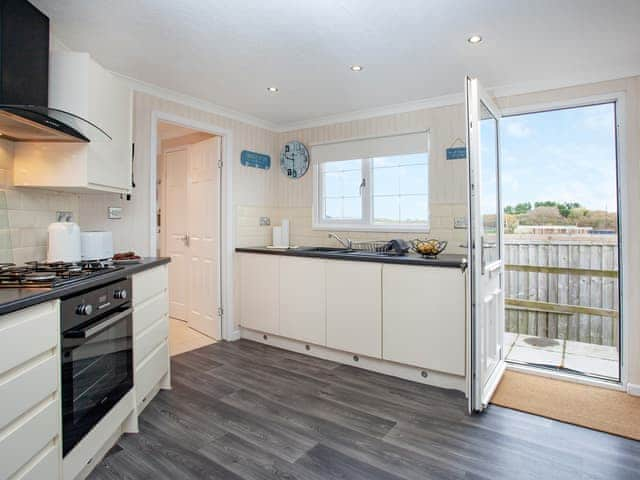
563, 155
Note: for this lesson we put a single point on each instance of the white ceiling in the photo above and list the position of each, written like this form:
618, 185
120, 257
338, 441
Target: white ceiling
228, 51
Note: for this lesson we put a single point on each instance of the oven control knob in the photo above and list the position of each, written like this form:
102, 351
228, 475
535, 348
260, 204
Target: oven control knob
84, 309
120, 294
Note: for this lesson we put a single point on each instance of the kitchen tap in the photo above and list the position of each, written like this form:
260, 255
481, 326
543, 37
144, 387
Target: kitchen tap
345, 243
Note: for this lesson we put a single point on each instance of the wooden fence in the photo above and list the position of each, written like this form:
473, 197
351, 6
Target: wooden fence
562, 286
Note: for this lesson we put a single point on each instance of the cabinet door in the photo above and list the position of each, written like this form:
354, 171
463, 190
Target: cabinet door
424, 317
259, 293
302, 299
354, 307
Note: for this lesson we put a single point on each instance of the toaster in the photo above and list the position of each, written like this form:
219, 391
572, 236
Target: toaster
96, 245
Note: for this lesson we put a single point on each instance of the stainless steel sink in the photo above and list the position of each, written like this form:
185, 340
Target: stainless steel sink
325, 249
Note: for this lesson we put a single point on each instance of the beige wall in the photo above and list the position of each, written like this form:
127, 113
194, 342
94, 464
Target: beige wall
447, 178
26, 213
250, 186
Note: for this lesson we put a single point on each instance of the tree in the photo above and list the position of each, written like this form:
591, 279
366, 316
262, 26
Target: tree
543, 216
522, 208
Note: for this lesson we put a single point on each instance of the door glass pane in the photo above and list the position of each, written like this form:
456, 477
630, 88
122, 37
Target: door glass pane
489, 208
561, 244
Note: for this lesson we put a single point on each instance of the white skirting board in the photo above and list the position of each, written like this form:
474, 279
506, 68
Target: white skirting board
633, 389
407, 372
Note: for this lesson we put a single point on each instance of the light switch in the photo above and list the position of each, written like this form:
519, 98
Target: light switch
459, 222
115, 213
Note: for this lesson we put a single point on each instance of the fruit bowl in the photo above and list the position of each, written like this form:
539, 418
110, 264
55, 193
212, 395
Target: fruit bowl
429, 248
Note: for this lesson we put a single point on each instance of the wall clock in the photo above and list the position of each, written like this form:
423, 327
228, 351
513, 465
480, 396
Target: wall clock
294, 159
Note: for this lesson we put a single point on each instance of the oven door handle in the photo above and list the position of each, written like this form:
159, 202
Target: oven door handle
95, 329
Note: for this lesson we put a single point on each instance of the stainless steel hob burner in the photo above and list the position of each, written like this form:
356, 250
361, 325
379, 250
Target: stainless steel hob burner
52, 274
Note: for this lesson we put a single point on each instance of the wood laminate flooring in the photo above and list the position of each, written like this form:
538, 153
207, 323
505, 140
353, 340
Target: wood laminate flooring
244, 410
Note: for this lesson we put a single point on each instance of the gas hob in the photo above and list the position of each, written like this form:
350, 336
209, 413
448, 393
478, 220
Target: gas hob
50, 275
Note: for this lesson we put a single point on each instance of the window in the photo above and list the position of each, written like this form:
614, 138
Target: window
372, 184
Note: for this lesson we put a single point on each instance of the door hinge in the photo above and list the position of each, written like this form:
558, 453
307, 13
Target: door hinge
220, 311
220, 163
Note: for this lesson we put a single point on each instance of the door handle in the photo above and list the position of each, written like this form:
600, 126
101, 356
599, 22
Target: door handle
185, 238
97, 328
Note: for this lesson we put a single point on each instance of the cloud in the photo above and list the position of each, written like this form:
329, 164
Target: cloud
518, 129
600, 117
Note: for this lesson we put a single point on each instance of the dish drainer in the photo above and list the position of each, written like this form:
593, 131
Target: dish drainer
371, 246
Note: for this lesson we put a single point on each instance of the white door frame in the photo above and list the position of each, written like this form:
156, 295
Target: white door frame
225, 232
625, 206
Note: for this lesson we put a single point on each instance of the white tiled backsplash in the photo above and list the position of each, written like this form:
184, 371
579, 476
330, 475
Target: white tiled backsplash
250, 234
25, 214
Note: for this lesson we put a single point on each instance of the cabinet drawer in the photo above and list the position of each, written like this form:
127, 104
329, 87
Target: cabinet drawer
27, 439
150, 339
39, 324
44, 466
21, 392
149, 283
147, 313
150, 371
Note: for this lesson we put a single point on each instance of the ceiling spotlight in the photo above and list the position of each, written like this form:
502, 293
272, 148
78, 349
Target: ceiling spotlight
356, 68
474, 39
272, 89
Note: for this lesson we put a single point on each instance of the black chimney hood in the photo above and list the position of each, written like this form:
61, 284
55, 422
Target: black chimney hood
24, 82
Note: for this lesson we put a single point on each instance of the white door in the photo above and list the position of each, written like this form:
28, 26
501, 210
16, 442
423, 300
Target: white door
486, 277
203, 224
176, 165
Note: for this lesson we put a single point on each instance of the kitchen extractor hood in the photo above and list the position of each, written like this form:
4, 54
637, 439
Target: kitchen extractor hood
24, 82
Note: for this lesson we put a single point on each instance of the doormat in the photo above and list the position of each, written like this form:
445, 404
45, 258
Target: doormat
597, 408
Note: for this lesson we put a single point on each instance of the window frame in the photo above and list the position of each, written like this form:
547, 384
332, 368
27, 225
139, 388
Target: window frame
366, 224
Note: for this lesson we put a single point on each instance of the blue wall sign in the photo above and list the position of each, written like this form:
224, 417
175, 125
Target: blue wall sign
255, 160
456, 153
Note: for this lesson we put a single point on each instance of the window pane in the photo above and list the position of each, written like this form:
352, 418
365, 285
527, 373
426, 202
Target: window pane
386, 209
352, 208
489, 190
414, 179
341, 190
414, 209
333, 208
333, 185
352, 180
386, 181
400, 189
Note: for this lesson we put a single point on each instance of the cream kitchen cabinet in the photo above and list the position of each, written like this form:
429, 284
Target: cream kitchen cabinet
354, 307
30, 432
80, 86
260, 292
424, 317
302, 299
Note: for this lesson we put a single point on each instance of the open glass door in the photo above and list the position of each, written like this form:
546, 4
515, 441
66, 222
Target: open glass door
485, 322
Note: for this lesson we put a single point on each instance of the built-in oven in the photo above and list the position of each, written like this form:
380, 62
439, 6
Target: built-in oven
97, 356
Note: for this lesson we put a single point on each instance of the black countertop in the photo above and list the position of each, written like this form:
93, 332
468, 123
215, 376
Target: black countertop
12, 299
449, 260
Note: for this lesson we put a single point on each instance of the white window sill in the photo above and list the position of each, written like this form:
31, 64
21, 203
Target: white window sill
356, 227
